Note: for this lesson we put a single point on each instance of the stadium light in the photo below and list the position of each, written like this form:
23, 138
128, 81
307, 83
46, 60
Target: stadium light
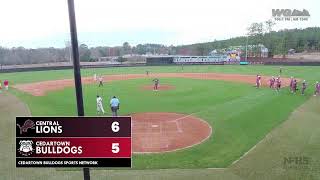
76, 67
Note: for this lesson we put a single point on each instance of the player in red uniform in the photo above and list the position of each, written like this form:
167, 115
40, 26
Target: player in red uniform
6, 84
156, 84
294, 86
100, 81
271, 82
274, 81
278, 84
291, 84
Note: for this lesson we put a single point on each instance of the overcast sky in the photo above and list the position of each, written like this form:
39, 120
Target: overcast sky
45, 23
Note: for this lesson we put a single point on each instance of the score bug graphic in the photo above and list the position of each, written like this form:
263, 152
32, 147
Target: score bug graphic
73, 142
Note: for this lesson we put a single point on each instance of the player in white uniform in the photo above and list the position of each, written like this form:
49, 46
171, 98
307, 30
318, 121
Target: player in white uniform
99, 105
95, 77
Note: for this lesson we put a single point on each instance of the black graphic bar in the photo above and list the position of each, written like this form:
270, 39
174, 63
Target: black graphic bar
73, 127
74, 162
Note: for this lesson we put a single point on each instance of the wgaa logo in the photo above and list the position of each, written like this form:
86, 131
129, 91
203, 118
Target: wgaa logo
289, 13
28, 124
25, 148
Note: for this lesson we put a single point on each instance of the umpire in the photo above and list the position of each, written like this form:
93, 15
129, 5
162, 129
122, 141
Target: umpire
114, 105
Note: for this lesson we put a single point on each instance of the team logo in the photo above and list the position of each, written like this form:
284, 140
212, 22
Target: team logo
26, 148
28, 124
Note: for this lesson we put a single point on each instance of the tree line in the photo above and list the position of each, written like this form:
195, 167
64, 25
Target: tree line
278, 43
21, 55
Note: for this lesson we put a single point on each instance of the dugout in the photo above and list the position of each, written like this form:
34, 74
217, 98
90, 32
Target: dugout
159, 60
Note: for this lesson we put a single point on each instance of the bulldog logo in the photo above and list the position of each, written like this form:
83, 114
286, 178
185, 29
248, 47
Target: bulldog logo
28, 124
26, 148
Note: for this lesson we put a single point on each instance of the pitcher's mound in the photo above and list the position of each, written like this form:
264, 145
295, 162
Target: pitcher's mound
163, 132
162, 87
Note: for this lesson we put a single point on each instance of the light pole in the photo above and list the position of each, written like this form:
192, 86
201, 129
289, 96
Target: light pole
76, 69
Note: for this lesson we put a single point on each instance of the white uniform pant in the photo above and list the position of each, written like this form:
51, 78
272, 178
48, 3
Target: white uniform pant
100, 108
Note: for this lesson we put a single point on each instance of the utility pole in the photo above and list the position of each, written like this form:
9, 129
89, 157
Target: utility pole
247, 48
76, 67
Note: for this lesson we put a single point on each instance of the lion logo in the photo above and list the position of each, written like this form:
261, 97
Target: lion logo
26, 148
28, 124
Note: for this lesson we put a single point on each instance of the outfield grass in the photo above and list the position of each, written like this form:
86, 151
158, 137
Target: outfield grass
298, 136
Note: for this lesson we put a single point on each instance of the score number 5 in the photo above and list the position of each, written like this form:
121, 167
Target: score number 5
115, 148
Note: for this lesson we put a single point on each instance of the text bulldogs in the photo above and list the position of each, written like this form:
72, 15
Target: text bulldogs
57, 147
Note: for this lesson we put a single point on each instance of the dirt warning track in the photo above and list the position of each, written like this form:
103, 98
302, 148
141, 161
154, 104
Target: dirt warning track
41, 88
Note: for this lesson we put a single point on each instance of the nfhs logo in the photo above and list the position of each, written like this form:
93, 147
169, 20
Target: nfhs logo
26, 148
28, 124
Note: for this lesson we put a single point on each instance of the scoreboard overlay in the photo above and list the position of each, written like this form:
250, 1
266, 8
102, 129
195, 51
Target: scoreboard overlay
73, 142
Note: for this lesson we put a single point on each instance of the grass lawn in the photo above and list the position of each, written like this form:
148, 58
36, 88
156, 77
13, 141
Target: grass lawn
298, 136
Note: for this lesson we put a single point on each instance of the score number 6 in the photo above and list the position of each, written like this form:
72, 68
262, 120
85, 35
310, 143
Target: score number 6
115, 126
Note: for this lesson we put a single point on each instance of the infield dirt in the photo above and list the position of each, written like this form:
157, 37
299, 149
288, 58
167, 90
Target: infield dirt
41, 88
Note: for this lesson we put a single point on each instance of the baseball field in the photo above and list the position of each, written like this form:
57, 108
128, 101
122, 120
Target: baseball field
205, 122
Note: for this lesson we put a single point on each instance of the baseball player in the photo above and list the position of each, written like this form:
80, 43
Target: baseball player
100, 81
274, 81
115, 106
304, 86
99, 105
0, 86
294, 86
271, 82
156, 84
278, 84
258, 81
6, 84
317, 88
291, 84
147, 72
